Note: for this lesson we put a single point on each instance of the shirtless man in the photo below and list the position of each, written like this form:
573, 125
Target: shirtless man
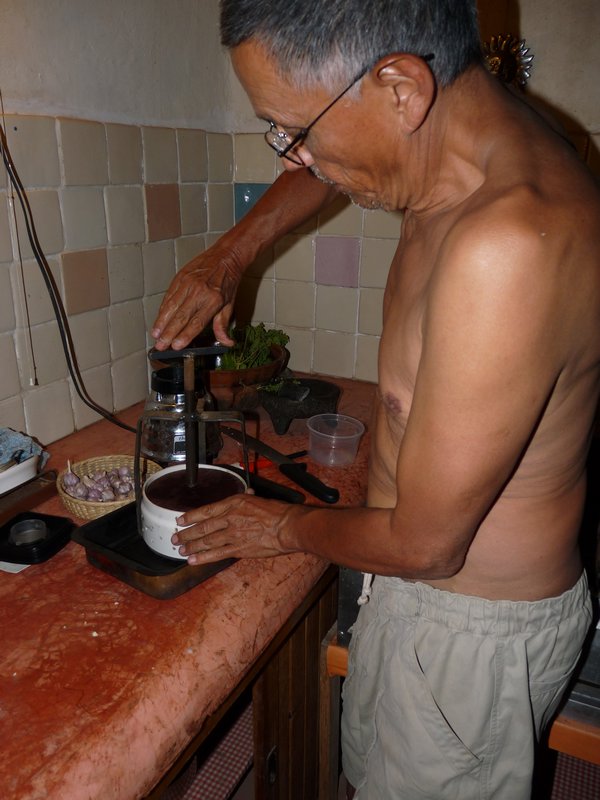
488, 381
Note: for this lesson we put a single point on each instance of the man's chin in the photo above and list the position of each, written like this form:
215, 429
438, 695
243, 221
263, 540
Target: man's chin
368, 203
360, 200
323, 178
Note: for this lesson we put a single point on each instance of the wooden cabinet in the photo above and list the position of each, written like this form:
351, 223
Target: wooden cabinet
284, 684
286, 705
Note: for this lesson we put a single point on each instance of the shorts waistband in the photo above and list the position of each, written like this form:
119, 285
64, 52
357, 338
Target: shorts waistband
401, 598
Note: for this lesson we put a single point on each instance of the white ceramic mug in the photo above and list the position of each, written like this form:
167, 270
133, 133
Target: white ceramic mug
159, 523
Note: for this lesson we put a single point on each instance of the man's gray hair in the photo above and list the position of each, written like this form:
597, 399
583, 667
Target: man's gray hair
327, 42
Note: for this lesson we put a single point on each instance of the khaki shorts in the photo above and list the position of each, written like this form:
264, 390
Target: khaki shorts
447, 694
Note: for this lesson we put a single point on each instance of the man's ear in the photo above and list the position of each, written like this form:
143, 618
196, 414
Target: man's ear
412, 86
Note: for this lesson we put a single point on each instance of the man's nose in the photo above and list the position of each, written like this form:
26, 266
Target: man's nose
303, 154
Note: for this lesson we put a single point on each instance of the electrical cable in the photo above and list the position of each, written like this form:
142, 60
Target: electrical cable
55, 298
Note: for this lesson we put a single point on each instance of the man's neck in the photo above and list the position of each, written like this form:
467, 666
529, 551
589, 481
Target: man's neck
448, 154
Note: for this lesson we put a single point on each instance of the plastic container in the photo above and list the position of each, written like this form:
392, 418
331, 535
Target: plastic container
17, 474
333, 439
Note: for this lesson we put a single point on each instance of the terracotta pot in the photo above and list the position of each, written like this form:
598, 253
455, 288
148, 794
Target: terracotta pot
231, 387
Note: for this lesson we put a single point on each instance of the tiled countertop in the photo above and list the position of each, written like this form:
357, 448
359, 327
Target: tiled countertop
102, 686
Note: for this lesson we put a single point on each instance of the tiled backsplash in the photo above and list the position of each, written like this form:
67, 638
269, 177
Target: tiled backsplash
118, 209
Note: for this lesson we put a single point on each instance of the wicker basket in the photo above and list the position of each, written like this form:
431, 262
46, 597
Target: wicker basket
91, 509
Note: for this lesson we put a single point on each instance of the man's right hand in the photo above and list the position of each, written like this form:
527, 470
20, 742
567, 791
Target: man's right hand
203, 290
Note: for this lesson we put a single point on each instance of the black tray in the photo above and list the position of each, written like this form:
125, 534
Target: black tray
114, 545
58, 534
116, 536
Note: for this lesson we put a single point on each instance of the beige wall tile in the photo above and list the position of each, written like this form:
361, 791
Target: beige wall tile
124, 144
47, 351
39, 305
98, 383
162, 211
91, 338
194, 215
130, 380
301, 347
370, 316
341, 218
84, 157
127, 328
193, 155
336, 308
382, 224
7, 308
10, 384
375, 260
45, 209
159, 266
151, 307
264, 309
212, 238
255, 302
220, 157
125, 214
309, 227
295, 304
125, 273
12, 413
83, 218
160, 155
255, 161
187, 248
263, 267
48, 412
295, 258
85, 280
34, 149
220, 207
6, 252
367, 348
334, 354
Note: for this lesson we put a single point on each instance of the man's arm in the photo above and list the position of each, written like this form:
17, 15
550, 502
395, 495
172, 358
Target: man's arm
491, 355
205, 288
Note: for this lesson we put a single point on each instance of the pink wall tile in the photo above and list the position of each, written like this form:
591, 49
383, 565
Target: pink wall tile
85, 278
162, 209
337, 260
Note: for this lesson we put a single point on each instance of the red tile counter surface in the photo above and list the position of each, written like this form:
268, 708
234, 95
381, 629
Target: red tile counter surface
101, 686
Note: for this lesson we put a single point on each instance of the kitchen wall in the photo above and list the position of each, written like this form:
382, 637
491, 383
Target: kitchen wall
138, 147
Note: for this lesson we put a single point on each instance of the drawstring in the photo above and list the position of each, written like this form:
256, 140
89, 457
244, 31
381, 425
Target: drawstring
366, 589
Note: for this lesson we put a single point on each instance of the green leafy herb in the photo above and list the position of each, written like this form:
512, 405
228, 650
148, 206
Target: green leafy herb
277, 384
252, 346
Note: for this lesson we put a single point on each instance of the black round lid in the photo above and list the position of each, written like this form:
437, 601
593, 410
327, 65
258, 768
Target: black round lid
167, 380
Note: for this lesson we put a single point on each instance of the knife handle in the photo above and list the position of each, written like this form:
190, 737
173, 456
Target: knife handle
263, 487
312, 484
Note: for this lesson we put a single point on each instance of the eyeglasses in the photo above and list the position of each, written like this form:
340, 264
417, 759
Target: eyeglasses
284, 144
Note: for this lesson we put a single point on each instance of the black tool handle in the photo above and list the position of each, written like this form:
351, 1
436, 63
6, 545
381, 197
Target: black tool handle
312, 484
271, 490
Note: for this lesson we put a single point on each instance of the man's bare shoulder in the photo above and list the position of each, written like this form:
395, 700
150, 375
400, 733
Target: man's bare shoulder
528, 229
524, 260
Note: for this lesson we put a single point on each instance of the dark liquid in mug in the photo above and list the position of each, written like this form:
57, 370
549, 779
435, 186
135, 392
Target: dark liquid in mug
170, 491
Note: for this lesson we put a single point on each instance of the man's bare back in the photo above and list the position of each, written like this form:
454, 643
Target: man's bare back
526, 544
